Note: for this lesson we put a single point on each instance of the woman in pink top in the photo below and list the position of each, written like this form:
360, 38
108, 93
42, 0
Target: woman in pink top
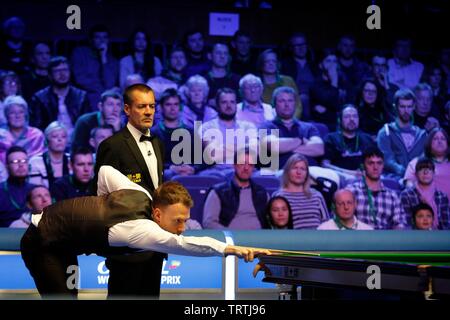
436, 148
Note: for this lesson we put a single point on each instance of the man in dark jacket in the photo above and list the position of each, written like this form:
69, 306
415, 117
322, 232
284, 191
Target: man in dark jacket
60, 101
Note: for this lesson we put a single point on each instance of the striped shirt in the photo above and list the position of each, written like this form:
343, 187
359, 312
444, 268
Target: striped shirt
387, 210
307, 212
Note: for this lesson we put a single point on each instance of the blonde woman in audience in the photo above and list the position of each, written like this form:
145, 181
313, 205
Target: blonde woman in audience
309, 209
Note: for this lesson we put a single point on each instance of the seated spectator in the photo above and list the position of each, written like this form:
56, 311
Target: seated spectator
401, 141
95, 69
110, 107
436, 148
444, 63
17, 116
196, 108
176, 65
13, 48
377, 205
372, 105
295, 137
433, 75
279, 213
403, 70
423, 217
10, 85
237, 203
380, 74
37, 199
328, 92
14, 190
345, 218
269, 69
215, 135
426, 114
53, 163
197, 60
344, 148
242, 61
76, 184
252, 108
36, 76
141, 59
424, 190
170, 131
60, 101
98, 134
309, 209
353, 68
301, 67
219, 75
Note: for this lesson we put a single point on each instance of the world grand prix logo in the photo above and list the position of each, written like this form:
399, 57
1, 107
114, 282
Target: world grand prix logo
166, 277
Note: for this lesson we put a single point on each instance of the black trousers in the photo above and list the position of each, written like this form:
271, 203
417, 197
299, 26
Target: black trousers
48, 267
137, 275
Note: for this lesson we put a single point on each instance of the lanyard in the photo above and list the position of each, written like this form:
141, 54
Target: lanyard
372, 209
344, 145
11, 199
341, 225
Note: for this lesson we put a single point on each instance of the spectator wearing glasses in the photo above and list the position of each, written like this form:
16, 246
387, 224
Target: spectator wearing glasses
13, 191
425, 191
10, 85
380, 74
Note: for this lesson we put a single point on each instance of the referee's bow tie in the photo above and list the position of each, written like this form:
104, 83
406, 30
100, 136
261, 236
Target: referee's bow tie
146, 138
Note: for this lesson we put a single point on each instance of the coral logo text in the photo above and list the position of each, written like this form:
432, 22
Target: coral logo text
103, 276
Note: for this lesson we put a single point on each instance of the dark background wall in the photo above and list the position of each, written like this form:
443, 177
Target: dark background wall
322, 21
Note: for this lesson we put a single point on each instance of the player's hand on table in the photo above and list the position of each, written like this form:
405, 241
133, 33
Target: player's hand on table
247, 253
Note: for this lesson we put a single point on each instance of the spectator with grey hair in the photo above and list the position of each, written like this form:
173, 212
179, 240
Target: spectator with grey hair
426, 114
54, 162
295, 136
401, 141
109, 113
60, 101
17, 116
196, 92
252, 108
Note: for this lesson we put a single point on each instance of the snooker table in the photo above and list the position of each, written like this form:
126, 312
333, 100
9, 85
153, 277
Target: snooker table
423, 274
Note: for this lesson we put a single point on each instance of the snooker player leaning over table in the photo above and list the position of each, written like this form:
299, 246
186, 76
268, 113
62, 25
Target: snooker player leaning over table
122, 219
